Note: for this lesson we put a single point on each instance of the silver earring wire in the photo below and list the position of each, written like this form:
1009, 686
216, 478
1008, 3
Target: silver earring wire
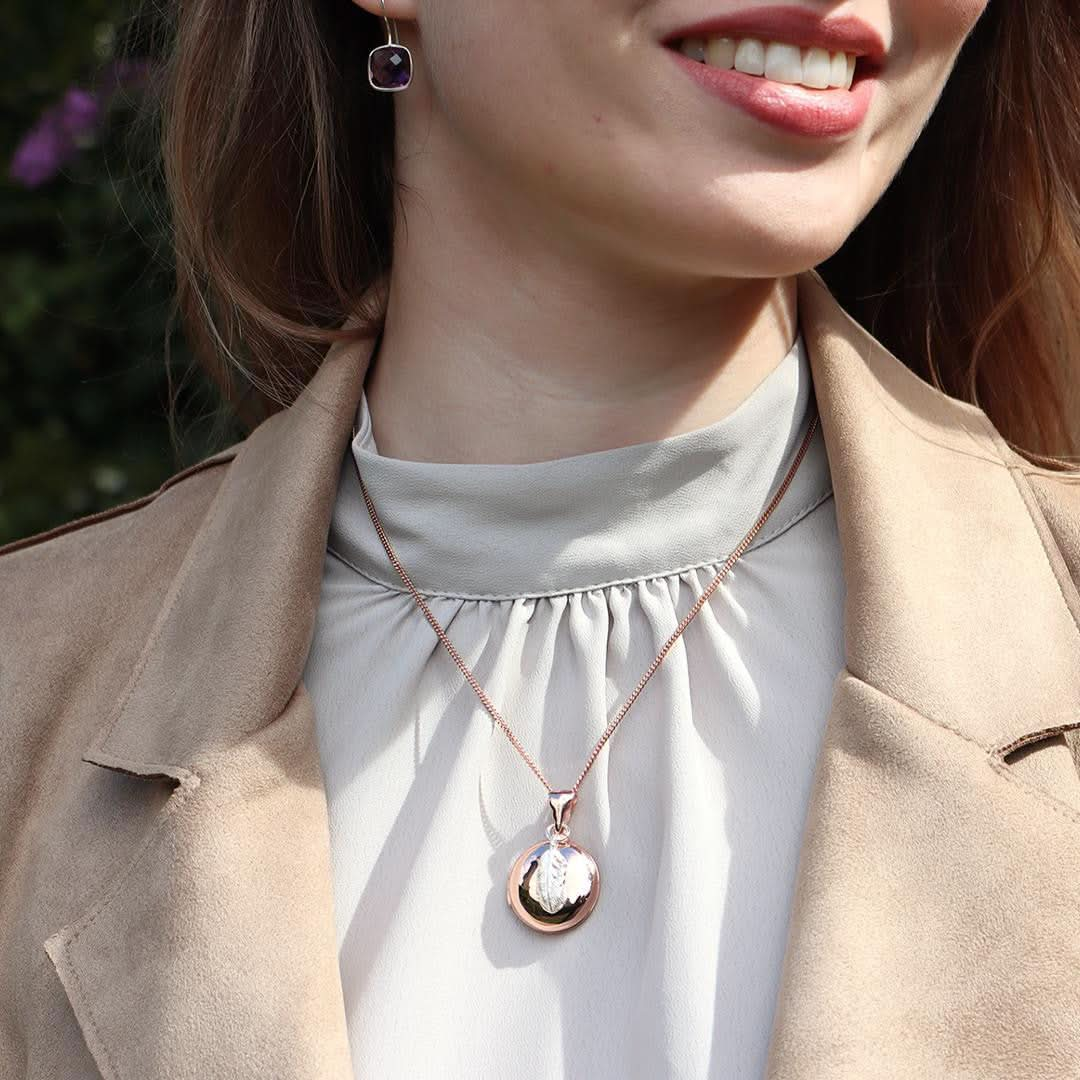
399, 55
391, 28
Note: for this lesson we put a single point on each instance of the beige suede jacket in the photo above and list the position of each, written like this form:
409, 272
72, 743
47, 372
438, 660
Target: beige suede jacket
165, 889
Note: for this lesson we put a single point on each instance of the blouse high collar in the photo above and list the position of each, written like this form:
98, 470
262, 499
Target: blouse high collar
587, 520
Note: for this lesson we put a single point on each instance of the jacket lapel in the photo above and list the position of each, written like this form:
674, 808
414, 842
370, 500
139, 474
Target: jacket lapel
212, 954
932, 926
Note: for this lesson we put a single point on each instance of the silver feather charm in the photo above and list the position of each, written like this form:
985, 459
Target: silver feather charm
550, 880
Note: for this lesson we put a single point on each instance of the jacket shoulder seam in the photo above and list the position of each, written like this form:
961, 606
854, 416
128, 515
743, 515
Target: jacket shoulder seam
1016, 462
1051, 549
222, 458
1065, 476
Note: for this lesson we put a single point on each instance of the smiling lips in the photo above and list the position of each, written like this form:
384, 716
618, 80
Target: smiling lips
813, 67
786, 66
790, 25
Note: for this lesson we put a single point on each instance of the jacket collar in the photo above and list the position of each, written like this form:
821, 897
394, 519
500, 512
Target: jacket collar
957, 646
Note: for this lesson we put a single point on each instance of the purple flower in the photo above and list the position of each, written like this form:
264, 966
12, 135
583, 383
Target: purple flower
79, 112
62, 128
54, 140
42, 153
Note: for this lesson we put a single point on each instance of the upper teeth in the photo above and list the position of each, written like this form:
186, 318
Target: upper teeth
814, 67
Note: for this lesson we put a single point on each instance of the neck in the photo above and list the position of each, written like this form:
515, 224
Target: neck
493, 351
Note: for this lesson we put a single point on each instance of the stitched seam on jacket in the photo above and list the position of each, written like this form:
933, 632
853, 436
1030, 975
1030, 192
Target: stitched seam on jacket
1034, 736
1015, 460
1049, 474
991, 753
119, 510
1045, 797
1024, 468
1037, 518
1028, 497
945, 725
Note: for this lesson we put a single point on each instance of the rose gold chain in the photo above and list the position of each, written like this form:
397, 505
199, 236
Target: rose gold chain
610, 729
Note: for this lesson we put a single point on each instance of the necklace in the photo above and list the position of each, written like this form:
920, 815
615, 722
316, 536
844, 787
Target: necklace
554, 884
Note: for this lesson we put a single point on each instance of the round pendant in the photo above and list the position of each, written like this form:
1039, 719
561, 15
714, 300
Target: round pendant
554, 885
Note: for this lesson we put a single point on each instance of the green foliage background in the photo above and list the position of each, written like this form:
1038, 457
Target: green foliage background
85, 292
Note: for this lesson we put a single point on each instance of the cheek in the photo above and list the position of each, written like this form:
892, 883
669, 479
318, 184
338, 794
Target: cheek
489, 63
929, 35
528, 88
940, 26
490, 48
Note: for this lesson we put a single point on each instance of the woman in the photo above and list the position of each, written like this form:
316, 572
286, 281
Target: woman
601, 476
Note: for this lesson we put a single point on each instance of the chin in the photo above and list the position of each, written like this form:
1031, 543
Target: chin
782, 246
772, 252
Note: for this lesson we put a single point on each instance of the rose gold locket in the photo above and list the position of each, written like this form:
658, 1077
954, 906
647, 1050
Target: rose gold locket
554, 885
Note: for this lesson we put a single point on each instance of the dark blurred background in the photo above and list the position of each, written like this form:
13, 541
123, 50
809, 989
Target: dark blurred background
89, 355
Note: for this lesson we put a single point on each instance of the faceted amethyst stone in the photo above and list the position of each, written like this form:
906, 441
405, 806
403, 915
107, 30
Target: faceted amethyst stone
390, 67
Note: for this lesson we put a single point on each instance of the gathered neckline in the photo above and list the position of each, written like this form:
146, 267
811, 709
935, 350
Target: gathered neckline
585, 521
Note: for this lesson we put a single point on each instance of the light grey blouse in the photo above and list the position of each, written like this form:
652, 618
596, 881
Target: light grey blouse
558, 582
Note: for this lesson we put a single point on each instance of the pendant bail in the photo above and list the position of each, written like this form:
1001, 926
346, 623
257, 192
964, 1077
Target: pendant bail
562, 806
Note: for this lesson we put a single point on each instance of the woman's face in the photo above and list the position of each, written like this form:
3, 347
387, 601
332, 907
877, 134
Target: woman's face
574, 113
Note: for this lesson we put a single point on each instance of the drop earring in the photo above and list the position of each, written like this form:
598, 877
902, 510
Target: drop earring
389, 66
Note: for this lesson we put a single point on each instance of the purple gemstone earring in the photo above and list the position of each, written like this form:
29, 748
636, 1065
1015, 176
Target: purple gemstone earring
389, 66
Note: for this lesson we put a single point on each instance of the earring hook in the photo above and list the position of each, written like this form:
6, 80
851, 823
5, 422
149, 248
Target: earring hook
391, 30
389, 65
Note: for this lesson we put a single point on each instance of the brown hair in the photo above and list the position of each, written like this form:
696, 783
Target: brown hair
278, 161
